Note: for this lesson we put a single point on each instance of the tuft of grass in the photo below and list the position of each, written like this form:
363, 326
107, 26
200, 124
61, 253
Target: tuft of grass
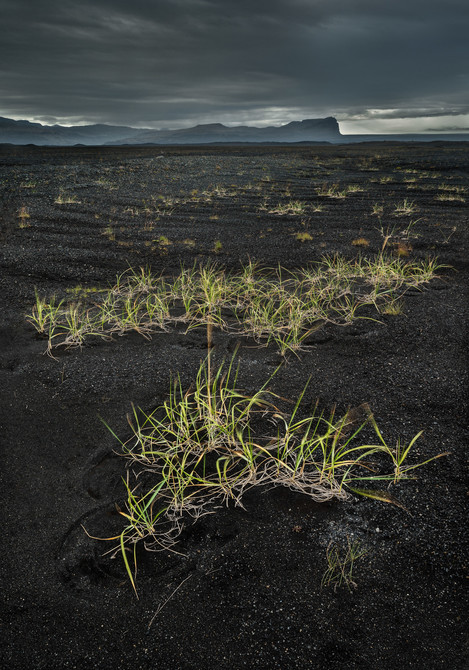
396, 235
292, 207
341, 563
207, 445
361, 242
163, 241
393, 308
109, 233
303, 236
449, 188
402, 249
66, 199
332, 191
450, 197
405, 207
23, 213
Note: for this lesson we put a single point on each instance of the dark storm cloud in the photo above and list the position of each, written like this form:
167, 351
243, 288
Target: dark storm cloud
178, 62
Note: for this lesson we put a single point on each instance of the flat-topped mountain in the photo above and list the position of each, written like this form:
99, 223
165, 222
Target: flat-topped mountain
24, 132
310, 130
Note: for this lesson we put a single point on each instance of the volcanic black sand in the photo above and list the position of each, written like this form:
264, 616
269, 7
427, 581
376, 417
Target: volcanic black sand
244, 591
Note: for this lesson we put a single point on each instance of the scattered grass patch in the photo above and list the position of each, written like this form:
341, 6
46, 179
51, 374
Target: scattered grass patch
398, 235
109, 233
271, 306
163, 241
450, 197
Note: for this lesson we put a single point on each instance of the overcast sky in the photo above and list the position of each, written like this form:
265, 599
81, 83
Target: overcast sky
376, 65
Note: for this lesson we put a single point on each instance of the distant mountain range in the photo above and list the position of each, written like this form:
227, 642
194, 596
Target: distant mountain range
309, 130
24, 132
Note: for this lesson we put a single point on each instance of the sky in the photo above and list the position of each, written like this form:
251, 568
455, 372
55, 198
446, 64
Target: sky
378, 66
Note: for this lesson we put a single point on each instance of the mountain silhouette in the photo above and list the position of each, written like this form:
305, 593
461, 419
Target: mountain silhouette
25, 132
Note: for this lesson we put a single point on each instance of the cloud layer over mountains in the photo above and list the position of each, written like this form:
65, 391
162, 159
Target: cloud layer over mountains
176, 63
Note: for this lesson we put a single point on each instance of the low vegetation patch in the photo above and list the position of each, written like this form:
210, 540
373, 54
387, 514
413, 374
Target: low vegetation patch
361, 242
66, 199
208, 445
303, 236
341, 564
291, 207
405, 207
333, 191
270, 306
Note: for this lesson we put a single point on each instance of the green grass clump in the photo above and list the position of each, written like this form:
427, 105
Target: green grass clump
292, 207
208, 445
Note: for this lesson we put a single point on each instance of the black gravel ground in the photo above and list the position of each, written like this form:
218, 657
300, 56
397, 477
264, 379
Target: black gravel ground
245, 590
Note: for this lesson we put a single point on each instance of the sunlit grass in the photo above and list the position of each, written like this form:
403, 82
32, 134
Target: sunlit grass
207, 445
270, 306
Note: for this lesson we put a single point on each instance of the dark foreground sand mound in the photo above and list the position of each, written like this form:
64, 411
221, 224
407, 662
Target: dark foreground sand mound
244, 589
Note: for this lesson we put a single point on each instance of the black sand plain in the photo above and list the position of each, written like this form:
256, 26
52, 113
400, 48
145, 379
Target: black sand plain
245, 591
